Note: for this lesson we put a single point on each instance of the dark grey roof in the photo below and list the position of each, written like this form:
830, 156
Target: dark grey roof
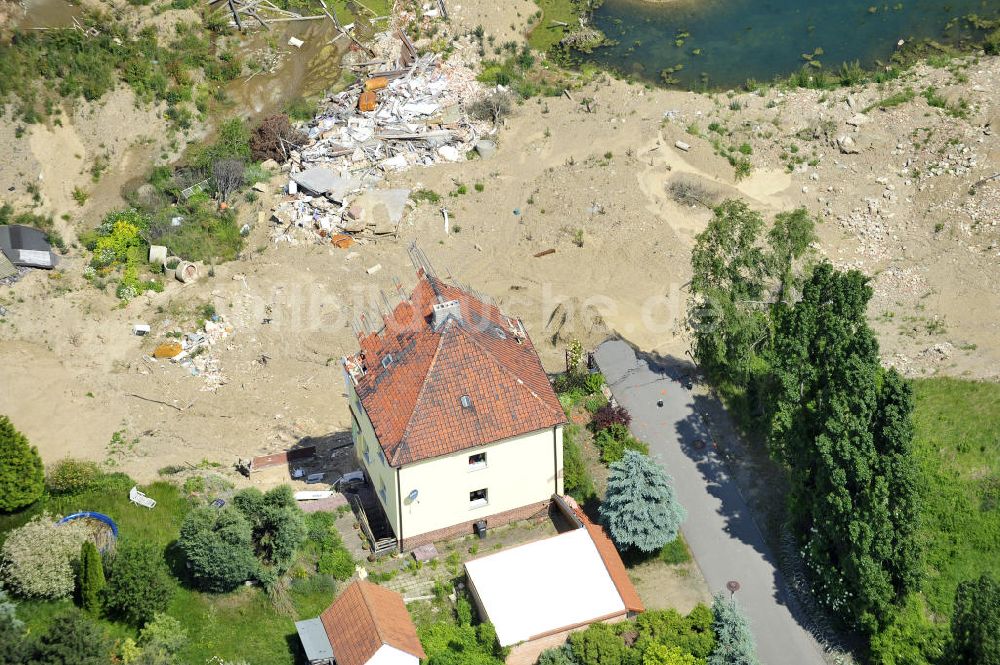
26, 246
314, 640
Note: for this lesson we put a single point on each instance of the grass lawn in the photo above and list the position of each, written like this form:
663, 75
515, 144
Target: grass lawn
245, 624
957, 444
545, 34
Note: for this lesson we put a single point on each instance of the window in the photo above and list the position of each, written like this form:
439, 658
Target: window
382, 492
387, 360
478, 498
477, 461
381, 455
368, 453
466, 402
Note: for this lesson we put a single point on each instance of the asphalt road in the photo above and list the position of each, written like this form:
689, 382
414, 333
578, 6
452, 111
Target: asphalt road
723, 537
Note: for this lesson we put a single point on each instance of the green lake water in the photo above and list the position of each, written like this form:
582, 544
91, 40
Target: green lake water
764, 39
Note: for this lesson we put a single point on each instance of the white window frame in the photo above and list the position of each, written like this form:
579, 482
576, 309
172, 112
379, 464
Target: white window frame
479, 503
477, 466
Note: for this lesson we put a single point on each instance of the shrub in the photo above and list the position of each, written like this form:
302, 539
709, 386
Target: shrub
598, 645
909, 637
139, 583
218, 547
576, 479
675, 552
232, 142
614, 440
227, 175
337, 562
451, 644
692, 633
13, 645
493, 106
640, 508
70, 476
611, 415
117, 237
321, 530
72, 638
975, 625
593, 382
561, 655
991, 43
22, 477
36, 560
90, 578
595, 403
163, 634
661, 654
463, 611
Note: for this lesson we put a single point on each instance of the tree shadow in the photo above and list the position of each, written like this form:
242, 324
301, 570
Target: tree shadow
651, 386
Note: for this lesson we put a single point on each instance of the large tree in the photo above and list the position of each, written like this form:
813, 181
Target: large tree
22, 477
842, 426
789, 240
728, 285
218, 547
975, 625
734, 643
640, 508
276, 525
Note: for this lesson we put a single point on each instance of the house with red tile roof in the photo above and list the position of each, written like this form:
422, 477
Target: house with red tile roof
366, 625
453, 417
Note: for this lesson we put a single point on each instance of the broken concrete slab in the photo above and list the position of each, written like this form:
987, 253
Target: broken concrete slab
320, 180
486, 149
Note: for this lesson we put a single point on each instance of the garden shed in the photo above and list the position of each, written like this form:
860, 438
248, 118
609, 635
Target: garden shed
366, 625
537, 594
26, 246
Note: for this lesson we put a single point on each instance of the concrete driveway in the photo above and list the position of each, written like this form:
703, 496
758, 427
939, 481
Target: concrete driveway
722, 535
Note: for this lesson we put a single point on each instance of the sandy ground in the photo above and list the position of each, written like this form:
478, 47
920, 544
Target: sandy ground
72, 374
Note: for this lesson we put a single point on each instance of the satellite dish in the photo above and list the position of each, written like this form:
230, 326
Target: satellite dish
412, 496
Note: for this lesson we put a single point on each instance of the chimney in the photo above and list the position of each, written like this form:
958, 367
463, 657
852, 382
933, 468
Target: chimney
445, 309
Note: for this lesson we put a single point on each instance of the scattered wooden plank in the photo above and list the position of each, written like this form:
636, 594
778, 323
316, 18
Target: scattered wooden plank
545, 252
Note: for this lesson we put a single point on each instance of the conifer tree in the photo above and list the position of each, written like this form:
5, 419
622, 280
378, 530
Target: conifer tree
90, 577
734, 643
22, 477
640, 508
842, 426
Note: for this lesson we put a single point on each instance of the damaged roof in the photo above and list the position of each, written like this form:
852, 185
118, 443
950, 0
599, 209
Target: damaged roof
26, 246
435, 384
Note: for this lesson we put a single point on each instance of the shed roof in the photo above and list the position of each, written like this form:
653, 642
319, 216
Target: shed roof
26, 246
314, 640
434, 389
363, 619
546, 586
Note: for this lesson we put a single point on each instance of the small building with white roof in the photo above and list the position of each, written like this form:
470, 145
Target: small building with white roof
536, 594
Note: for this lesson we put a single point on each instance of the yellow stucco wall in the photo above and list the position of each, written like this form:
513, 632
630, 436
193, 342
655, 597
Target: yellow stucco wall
382, 475
519, 471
